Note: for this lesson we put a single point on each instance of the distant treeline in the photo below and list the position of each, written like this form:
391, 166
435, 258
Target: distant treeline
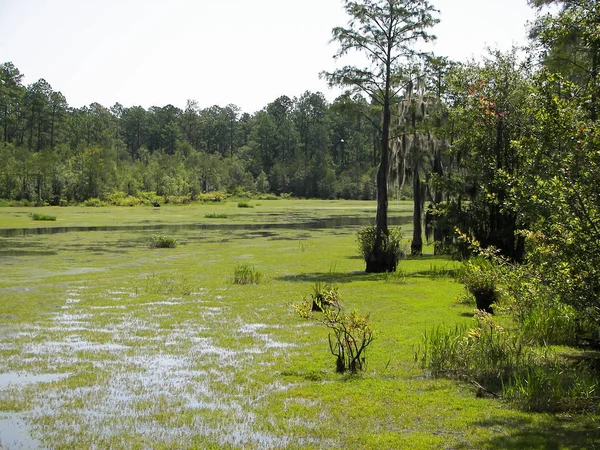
306, 147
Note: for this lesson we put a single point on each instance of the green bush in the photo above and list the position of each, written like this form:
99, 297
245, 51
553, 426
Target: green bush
178, 199
94, 202
37, 216
212, 197
268, 197
243, 204
163, 241
215, 216
350, 333
246, 275
391, 245
480, 277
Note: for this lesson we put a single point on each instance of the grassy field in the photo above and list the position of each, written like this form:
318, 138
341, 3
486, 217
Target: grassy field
107, 343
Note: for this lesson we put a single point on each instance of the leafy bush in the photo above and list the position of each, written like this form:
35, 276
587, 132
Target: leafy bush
246, 275
215, 216
37, 216
178, 199
163, 241
350, 333
212, 197
268, 197
94, 202
391, 245
244, 205
119, 198
480, 277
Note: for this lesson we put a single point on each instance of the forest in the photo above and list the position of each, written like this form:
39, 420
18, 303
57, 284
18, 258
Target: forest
54, 154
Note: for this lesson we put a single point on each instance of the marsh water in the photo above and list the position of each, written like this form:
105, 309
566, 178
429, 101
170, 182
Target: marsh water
330, 222
108, 350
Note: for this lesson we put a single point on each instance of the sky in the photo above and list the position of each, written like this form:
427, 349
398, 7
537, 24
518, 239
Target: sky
217, 52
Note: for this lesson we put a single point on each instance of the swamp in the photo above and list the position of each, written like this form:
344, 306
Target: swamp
106, 342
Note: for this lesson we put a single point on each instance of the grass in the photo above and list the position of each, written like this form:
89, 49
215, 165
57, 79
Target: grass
163, 241
37, 216
215, 216
244, 274
162, 350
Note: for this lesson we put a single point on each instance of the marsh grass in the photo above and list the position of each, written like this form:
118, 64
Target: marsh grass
162, 241
160, 350
244, 274
216, 216
44, 217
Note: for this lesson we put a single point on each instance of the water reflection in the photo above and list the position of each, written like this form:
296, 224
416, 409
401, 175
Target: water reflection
330, 222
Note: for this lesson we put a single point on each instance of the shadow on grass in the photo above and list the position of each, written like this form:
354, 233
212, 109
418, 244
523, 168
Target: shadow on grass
334, 277
556, 432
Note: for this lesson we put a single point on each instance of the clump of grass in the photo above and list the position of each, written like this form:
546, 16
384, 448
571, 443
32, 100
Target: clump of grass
38, 216
499, 362
215, 216
246, 275
398, 276
244, 204
163, 241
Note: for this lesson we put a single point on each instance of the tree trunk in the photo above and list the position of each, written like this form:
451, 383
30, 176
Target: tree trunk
416, 247
380, 260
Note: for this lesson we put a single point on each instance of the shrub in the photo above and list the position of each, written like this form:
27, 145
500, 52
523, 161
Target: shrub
244, 205
246, 275
178, 199
490, 356
163, 241
215, 216
37, 216
268, 197
350, 333
391, 245
94, 202
212, 197
480, 276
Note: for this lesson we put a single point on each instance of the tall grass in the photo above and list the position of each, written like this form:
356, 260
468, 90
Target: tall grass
500, 361
38, 216
246, 275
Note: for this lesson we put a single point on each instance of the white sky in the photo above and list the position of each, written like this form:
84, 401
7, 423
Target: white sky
245, 52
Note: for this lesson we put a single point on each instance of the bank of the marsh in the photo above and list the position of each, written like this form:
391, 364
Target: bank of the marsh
107, 342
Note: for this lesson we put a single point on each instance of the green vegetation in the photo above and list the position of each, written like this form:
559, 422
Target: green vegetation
163, 341
150, 346
246, 275
163, 241
390, 246
37, 216
352, 333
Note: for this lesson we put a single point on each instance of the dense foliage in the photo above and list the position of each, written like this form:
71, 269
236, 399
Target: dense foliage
305, 146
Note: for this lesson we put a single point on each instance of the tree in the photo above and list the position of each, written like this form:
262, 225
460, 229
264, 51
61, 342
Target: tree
487, 116
386, 32
570, 42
